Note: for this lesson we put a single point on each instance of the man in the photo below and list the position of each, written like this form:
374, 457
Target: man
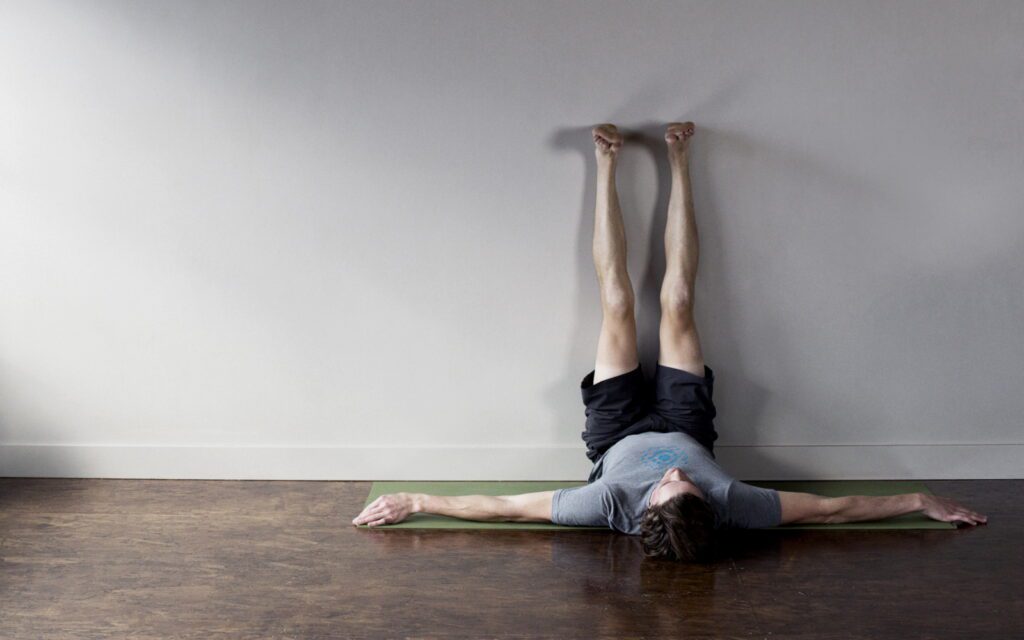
654, 470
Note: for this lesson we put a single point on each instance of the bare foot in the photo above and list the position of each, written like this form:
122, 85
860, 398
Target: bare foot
677, 137
607, 141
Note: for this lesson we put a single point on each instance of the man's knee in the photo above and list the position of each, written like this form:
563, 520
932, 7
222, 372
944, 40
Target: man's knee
677, 301
617, 298
617, 303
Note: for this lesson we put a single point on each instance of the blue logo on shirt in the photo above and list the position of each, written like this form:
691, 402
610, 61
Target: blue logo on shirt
661, 458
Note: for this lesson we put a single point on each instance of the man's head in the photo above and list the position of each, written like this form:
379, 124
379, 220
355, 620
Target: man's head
678, 523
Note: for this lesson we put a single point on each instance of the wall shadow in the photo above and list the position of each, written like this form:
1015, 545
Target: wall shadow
715, 297
39, 461
903, 308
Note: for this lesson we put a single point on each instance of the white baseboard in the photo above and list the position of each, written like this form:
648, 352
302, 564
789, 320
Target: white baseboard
763, 462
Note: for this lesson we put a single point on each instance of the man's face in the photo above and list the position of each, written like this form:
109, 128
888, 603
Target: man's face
674, 483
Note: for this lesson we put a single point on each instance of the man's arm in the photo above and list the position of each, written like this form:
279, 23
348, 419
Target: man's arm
810, 508
395, 507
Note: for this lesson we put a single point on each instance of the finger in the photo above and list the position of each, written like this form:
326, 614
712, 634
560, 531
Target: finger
373, 514
380, 512
370, 514
970, 515
966, 519
367, 511
377, 522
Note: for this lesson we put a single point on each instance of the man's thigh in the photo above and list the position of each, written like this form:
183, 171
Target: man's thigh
679, 344
685, 402
615, 408
616, 348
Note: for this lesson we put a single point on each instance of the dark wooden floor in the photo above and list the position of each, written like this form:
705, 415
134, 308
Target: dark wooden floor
254, 559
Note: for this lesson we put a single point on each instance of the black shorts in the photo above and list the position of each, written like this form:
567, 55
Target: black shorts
627, 404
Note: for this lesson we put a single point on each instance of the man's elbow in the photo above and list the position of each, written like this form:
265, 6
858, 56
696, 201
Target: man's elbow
500, 509
510, 509
833, 510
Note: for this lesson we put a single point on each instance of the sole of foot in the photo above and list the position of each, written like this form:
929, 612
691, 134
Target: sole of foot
607, 140
678, 134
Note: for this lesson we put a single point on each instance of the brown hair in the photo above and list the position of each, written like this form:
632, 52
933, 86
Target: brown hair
681, 528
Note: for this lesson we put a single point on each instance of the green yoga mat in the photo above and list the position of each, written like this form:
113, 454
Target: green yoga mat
824, 487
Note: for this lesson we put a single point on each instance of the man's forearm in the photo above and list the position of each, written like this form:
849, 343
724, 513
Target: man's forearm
487, 508
861, 508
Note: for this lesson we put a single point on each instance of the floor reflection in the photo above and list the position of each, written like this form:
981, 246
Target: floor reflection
781, 549
601, 581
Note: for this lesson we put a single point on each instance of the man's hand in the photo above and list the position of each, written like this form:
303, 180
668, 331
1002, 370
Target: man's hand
388, 509
946, 510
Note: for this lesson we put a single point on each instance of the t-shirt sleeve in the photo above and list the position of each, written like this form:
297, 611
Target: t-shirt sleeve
586, 506
751, 507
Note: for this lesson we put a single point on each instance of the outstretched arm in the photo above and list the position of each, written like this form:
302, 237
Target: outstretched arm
810, 508
395, 507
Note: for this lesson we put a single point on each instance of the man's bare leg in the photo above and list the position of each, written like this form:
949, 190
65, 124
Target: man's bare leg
616, 347
679, 342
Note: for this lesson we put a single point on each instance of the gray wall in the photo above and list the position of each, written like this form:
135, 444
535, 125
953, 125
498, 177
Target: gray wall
252, 239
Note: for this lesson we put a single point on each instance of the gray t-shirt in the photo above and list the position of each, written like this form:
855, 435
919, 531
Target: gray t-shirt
623, 479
